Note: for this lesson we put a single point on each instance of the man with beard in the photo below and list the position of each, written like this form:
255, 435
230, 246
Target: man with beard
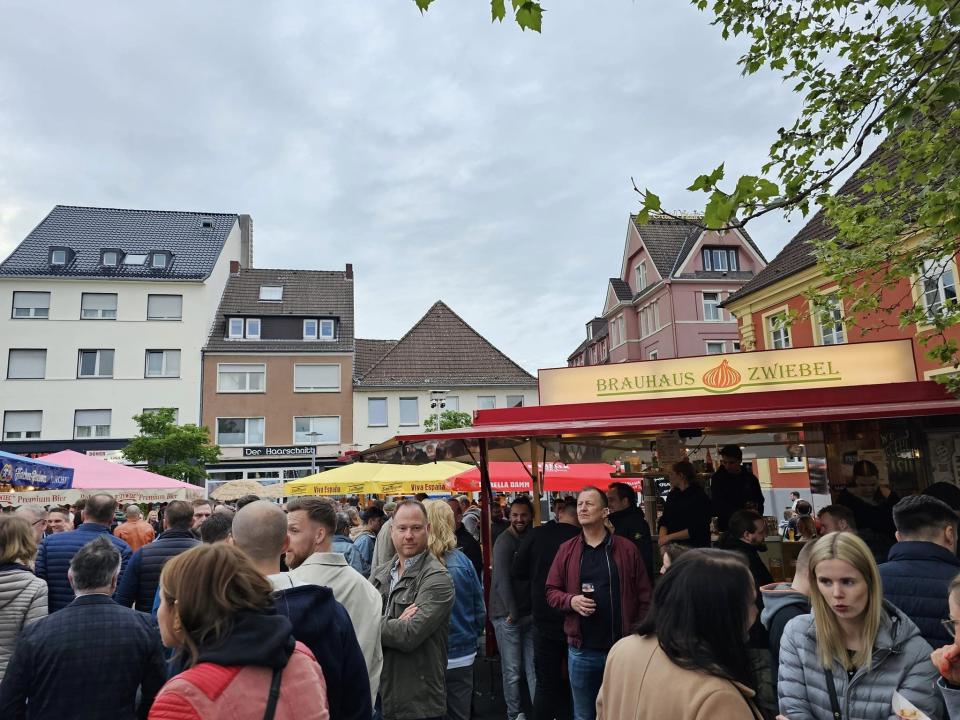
510, 610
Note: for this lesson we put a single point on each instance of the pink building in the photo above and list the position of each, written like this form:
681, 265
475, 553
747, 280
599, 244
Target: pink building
666, 301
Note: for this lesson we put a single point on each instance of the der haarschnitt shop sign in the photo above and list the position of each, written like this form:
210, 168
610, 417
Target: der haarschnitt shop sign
875, 363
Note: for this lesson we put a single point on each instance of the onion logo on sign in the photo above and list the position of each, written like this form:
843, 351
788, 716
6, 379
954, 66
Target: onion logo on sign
722, 378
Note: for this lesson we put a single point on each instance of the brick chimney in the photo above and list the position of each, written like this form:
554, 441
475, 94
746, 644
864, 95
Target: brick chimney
246, 240
234, 267
349, 271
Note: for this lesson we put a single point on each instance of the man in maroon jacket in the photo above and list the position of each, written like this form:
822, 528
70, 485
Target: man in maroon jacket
598, 581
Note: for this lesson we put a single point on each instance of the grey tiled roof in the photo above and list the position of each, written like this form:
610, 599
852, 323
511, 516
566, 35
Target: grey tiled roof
621, 289
443, 350
797, 254
601, 328
367, 354
664, 239
88, 230
306, 293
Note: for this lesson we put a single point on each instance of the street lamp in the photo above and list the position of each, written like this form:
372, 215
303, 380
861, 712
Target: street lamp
438, 401
313, 435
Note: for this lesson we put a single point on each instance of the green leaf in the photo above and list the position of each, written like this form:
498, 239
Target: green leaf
530, 16
423, 4
498, 9
720, 210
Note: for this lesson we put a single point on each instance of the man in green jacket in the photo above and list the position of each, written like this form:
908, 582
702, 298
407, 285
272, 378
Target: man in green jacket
418, 597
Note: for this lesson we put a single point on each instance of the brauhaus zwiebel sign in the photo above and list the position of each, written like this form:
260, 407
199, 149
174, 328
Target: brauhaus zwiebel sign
873, 363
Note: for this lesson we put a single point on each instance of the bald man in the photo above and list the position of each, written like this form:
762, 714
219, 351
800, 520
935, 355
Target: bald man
319, 621
135, 532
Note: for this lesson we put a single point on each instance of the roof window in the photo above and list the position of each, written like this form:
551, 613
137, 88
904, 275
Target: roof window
159, 260
60, 256
206, 222
135, 259
271, 293
110, 258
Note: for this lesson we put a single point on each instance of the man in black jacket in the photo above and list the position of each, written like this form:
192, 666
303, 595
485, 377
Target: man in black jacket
139, 583
629, 521
532, 563
733, 487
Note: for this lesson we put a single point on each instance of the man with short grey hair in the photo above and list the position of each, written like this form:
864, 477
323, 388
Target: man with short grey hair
135, 532
36, 515
121, 653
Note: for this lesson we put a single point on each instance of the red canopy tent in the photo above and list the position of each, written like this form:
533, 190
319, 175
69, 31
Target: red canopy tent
514, 477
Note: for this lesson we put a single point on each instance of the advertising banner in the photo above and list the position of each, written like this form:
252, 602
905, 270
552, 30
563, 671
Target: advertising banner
28, 474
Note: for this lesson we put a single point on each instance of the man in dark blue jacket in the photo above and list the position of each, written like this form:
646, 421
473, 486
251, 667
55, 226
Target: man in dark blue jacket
89, 660
319, 621
142, 576
56, 551
922, 564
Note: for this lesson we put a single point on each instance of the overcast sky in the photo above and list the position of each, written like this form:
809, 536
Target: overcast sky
445, 157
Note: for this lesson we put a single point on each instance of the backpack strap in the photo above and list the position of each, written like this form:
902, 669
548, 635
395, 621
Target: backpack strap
832, 690
274, 695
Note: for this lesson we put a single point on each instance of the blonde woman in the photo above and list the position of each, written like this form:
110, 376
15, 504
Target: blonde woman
855, 650
468, 614
23, 596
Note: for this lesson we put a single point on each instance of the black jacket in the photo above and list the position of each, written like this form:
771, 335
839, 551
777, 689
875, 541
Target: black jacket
471, 548
761, 577
631, 523
532, 563
139, 583
874, 521
323, 625
688, 510
730, 493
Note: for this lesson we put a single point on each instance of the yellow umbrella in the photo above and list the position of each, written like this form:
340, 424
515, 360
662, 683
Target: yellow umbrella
378, 479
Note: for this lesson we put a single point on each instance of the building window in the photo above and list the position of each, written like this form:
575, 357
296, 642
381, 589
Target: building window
135, 259
31, 305
240, 431
830, 320
58, 257
409, 411
110, 258
614, 338
253, 329
779, 332
514, 401
309, 329
621, 329
316, 378
162, 363
235, 328
715, 347
238, 378
326, 329
271, 293
159, 260
98, 306
26, 364
452, 403
376, 412
641, 275
486, 402
711, 306
22, 424
176, 413
720, 260
316, 430
164, 307
95, 364
736, 346
653, 355
939, 286
91, 424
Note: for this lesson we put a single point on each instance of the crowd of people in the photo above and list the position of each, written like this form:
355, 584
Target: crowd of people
319, 610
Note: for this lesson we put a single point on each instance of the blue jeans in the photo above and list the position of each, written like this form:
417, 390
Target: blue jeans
515, 641
585, 668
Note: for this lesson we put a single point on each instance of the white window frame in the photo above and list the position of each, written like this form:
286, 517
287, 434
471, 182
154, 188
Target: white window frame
249, 334
268, 290
10, 353
94, 432
480, 398
164, 318
640, 273
834, 316
164, 362
316, 417
653, 354
386, 412
947, 268
311, 389
322, 333
769, 336
262, 367
307, 334
522, 401
246, 430
416, 404
712, 304
97, 363
164, 257
721, 343
55, 259
452, 403
22, 434
32, 310
135, 258
99, 311
115, 254
231, 335
620, 329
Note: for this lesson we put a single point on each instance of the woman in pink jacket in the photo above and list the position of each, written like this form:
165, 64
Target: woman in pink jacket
240, 659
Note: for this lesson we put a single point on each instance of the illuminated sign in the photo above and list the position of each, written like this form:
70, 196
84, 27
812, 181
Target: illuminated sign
816, 367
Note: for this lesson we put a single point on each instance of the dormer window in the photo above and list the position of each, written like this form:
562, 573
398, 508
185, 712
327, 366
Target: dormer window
309, 329
135, 259
720, 260
60, 256
159, 260
235, 328
326, 330
271, 293
243, 328
110, 258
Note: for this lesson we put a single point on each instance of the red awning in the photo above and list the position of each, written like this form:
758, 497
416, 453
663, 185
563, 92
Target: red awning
515, 477
743, 410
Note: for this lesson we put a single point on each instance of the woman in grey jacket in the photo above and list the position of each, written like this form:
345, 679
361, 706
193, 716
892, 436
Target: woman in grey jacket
864, 647
23, 596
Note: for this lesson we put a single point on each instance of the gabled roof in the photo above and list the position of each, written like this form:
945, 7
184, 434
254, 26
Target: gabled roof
601, 328
621, 289
367, 353
88, 230
306, 293
797, 254
442, 350
664, 239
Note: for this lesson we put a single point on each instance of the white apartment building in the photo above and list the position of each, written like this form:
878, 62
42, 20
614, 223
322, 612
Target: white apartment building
108, 313
441, 359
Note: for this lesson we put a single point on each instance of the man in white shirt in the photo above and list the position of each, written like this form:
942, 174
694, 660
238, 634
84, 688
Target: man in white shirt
311, 524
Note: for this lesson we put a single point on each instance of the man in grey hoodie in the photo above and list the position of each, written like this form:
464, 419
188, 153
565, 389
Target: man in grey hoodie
784, 601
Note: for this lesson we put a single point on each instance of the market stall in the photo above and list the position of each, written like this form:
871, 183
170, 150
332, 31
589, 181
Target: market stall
378, 479
22, 474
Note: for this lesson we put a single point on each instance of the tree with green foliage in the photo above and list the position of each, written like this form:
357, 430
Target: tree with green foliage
449, 419
177, 451
527, 13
